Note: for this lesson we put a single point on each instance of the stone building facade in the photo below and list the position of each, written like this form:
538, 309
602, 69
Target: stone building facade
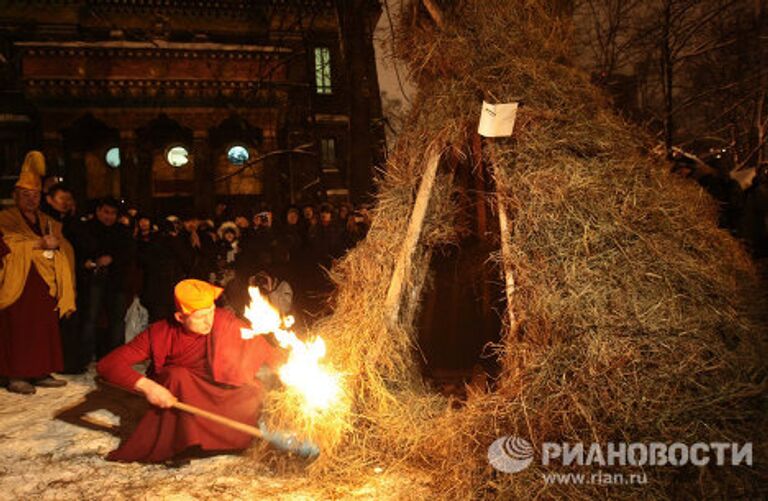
174, 104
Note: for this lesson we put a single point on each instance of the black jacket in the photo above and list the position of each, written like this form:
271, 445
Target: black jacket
92, 240
195, 262
161, 271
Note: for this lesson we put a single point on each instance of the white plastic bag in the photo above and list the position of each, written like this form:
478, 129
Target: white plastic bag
136, 319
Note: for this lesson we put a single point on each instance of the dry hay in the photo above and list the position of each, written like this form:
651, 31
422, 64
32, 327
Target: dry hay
640, 320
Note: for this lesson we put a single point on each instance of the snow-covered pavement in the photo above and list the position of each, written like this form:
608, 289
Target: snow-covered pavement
53, 444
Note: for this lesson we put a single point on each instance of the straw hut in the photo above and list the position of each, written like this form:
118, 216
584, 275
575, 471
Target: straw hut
629, 316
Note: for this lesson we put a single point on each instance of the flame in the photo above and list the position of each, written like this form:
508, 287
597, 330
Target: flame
319, 386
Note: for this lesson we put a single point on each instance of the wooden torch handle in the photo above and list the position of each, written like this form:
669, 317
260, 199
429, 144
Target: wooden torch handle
231, 423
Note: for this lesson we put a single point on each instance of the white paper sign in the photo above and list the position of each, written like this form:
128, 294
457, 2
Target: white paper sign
497, 120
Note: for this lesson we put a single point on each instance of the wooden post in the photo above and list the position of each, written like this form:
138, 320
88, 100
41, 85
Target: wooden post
477, 169
506, 252
506, 257
405, 257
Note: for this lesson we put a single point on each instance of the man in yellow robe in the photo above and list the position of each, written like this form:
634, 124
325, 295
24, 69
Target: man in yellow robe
36, 286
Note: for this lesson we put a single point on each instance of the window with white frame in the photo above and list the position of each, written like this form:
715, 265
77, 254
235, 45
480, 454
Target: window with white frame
323, 70
328, 152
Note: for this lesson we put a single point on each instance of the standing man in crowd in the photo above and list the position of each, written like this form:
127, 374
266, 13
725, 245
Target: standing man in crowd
59, 203
161, 270
36, 286
195, 249
105, 251
290, 233
326, 238
258, 249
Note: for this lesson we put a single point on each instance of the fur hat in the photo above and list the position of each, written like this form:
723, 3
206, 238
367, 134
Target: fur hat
228, 225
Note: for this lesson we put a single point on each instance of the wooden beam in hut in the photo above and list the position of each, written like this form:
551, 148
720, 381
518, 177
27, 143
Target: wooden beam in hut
506, 252
405, 257
478, 170
506, 258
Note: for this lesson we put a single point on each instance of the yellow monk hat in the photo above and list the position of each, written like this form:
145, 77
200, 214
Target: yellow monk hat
32, 170
194, 295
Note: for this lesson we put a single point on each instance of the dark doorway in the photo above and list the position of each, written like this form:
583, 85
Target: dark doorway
459, 317
464, 294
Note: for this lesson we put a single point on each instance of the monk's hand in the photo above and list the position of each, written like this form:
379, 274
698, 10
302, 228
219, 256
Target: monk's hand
104, 260
49, 242
156, 394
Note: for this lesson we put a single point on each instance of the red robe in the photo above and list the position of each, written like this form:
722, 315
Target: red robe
30, 345
215, 372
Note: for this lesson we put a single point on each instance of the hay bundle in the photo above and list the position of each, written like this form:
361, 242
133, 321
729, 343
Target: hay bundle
639, 318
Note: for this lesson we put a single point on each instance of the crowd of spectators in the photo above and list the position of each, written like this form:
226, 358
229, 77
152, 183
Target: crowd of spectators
122, 254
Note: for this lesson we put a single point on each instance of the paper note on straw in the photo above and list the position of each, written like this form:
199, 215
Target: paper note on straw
497, 120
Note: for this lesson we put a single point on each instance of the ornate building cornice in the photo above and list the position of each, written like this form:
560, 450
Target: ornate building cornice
154, 50
213, 8
220, 5
138, 91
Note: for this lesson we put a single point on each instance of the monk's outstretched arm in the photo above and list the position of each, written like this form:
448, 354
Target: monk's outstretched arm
117, 368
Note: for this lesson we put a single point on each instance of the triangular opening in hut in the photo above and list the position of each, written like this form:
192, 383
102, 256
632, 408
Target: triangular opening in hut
460, 319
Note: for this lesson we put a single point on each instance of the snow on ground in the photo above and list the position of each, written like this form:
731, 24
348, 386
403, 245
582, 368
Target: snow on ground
53, 444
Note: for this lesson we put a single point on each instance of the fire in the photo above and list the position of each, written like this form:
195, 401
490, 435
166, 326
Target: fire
318, 385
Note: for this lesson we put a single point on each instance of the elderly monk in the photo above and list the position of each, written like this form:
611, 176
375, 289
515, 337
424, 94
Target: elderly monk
199, 358
36, 286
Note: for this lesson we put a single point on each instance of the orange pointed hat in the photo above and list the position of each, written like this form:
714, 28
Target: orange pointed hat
32, 170
192, 295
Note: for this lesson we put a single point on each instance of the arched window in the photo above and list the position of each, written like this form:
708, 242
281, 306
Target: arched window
177, 156
238, 155
113, 157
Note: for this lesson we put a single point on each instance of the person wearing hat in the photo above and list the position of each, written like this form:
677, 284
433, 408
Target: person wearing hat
199, 358
36, 286
228, 248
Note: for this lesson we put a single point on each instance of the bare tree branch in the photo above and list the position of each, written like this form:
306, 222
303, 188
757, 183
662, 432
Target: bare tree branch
302, 149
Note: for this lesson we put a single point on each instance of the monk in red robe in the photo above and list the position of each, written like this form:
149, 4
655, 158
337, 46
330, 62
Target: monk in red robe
36, 286
200, 359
